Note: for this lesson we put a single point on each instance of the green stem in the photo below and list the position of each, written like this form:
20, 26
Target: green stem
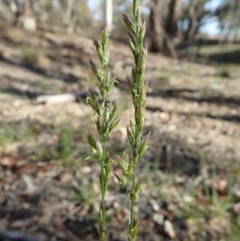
105, 122
103, 209
103, 183
132, 214
103, 178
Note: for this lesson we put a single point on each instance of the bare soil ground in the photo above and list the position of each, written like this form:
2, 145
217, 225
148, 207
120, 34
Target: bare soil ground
190, 172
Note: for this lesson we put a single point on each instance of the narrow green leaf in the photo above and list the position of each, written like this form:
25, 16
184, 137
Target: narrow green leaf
135, 229
91, 141
141, 61
110, 84
113, 124
129, 23
130, 136
104, 39
98, 125
135, 7
94, 68
93, 101
142, 32
121, 179
131, 45
142, 148
99, 50
137, 187
99, 150
112, 112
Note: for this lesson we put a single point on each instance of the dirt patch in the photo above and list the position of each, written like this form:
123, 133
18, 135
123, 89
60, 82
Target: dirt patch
190, 172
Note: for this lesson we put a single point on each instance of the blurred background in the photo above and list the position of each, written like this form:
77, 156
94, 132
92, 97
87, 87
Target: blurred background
179, 20
190, 172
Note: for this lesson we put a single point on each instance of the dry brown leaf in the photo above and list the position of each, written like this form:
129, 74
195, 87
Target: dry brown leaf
8, 161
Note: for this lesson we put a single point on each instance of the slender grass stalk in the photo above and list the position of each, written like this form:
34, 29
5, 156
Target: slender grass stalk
137, 88
105, 123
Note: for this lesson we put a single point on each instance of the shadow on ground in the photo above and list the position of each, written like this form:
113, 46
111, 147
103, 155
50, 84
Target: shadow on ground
218, 99
49, 73
227, 57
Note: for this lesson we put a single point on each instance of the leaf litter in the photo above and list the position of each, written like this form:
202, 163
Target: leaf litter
190, 172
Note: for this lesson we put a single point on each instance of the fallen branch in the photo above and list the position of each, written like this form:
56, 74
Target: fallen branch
62, 98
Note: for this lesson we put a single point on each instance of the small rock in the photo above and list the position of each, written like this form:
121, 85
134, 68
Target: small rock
158, 218
65, 177
164, 116
222, 186
187, 199
86, 169
168, 228
155, 205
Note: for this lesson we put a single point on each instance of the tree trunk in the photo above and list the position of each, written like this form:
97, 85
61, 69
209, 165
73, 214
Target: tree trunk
155, 28
17, 8
227, 27
68, 15
108, 15
175, 9
192, 27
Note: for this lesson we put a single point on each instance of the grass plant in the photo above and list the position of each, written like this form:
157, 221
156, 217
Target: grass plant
224, 72
10, 133
106, 119
137, 88
105, 122
29, 55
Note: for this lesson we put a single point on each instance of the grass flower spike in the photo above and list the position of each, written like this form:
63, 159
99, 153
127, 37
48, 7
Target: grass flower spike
137, 88
105, 122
